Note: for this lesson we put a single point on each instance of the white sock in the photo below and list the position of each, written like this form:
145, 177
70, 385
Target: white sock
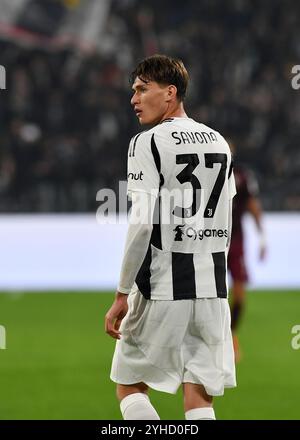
206, 413
137, 406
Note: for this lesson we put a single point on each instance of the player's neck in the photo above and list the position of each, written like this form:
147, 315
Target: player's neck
176, 111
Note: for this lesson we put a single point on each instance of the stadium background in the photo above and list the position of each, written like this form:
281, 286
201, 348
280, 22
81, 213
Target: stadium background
65, 122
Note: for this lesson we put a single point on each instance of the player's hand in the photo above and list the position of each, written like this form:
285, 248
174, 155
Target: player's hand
115, 314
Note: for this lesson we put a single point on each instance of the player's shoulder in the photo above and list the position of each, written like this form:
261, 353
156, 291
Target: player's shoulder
146, 138
141, 135
161, 129
139, 141
213, 133
208, 128
219, 136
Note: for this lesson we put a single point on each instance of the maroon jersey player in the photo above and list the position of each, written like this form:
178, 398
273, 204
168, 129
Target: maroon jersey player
245, 201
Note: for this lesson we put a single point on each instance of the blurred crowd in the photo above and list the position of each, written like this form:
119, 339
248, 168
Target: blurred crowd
65, 117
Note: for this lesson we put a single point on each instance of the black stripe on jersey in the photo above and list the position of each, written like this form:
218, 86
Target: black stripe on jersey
134, 144
183, 276
156, 157
220, 273
155, 153
156, 233
144, 274
131, 146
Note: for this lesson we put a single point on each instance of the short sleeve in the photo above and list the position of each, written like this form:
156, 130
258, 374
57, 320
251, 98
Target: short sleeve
142, 172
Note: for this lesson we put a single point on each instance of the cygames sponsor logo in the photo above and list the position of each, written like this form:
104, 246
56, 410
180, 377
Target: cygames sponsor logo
200, 234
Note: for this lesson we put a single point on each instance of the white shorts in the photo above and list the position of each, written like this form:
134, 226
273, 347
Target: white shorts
167, 343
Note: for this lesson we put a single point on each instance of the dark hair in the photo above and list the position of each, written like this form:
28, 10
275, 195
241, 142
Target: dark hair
163, 70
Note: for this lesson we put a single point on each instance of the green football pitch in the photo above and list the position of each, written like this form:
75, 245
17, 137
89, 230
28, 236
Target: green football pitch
57, 360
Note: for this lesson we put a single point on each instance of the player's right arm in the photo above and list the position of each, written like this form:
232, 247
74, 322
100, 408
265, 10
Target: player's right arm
142, 189
115, 314
143, 186
137, 242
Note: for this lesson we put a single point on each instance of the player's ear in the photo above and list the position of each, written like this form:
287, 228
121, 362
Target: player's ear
171, 92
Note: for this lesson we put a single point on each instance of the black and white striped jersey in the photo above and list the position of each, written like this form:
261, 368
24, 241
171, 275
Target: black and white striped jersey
187, 167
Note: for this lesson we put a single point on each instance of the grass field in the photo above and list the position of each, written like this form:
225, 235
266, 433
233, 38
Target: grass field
57, 361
